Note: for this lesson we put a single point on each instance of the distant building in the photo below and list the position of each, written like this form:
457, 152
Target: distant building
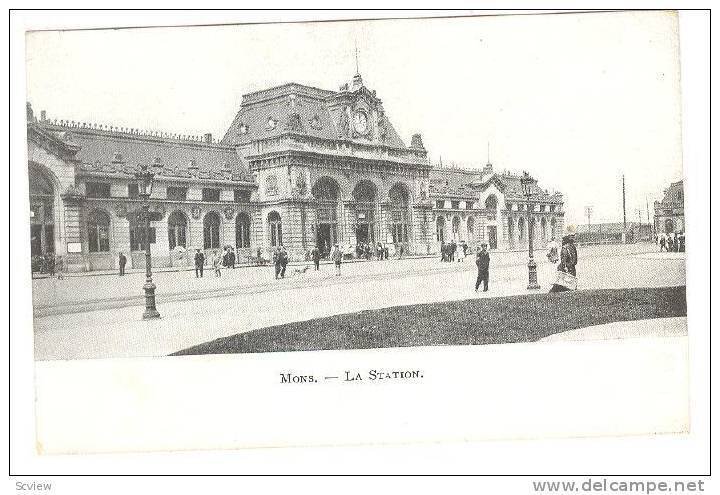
670, 212
299, 166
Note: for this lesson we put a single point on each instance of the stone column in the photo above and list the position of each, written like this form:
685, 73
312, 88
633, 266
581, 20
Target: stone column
73, 214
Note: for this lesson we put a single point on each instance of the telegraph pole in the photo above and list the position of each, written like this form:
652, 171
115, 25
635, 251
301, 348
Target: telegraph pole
624, 217
588, 213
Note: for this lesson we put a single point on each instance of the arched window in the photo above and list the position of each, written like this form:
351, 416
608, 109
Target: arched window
669, 226
326, 192
271, 186
521, 229
177, 230
211, 230
491, 202
242, 231
399, 203
98, 229
543, 228
275, 224
471, 226
511, 232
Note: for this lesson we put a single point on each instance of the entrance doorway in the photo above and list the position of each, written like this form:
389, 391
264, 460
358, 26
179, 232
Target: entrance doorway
492, 236
364, 196
42, 214
327, 193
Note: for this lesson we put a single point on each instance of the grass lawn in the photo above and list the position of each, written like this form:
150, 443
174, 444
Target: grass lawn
498, 320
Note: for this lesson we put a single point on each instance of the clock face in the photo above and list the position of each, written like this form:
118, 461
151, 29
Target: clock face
361, 122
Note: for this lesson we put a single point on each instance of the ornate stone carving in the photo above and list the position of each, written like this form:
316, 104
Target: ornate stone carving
229, 213
121, 210
195, 211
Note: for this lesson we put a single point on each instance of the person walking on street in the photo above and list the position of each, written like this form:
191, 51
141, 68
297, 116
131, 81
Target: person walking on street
482, 260
283, 261
461, 252
337, 258
568, 261
199, 263
316, 258
122, 261
231, 257
277, 261
662, 243
60, 267
217, 263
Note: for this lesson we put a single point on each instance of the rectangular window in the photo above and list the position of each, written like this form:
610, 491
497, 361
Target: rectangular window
210, 194
455, 205
176, 193
241, 196
440, 204
97, 190
133, 191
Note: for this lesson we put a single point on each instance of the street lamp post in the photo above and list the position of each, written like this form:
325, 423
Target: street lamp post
526, 182
145, 184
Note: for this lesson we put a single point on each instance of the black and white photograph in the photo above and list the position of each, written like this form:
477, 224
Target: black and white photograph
481, 218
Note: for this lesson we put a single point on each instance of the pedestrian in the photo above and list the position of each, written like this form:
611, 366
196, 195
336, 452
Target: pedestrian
226, 257
283, 261
402, 251
482, 260
453, 250
566, 274
553, 250
461, 252
60, 267
199, 263
217, 263
122, 261
681, 242
443, 250
663, 243
337, 258
316, 258
231, 257
277, 261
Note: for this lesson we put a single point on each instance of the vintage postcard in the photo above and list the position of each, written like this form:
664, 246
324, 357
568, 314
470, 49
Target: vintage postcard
377, 231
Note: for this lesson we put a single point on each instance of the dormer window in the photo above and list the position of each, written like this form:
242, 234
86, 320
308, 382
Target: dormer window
118, 157
243, 129
271, 124
157, 161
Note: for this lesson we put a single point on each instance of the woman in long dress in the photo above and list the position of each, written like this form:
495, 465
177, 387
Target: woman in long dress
568, 261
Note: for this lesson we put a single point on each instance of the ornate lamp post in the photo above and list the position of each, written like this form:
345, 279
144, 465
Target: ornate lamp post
145, 184
527, 182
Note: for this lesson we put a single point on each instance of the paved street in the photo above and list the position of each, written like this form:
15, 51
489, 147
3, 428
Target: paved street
99, 316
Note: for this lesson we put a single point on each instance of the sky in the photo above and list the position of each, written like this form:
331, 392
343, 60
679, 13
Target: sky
578, 100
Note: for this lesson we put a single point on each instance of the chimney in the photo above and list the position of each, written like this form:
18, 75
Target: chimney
417, 142
208, 137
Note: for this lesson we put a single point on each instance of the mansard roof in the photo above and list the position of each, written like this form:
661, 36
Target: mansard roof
114, 153
466, 183
671, 196
301, 109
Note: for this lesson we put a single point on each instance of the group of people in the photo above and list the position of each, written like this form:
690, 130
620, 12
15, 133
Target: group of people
453, 251
671, 242
565, 255
49, 263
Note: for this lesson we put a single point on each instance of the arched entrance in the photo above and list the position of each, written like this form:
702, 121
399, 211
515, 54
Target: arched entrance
440, 228
511, 232
399, 205
242, 231
327, 194
456, 228
42, 212
669, 226
365, 196
211, 231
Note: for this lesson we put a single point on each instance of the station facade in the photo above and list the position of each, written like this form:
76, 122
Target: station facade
299, 166
670, 211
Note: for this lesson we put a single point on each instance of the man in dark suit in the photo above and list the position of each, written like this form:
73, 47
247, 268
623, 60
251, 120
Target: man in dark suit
123, 261
199, 263
482, 260
316, 257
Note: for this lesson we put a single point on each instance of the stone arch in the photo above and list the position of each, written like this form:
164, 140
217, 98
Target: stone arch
243, 226
400, 202
365, 195
326, 188
327, 194
511, 232
212, 228
456, 223
491, 202
177, 225
669, 225
46, 207
471, 228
